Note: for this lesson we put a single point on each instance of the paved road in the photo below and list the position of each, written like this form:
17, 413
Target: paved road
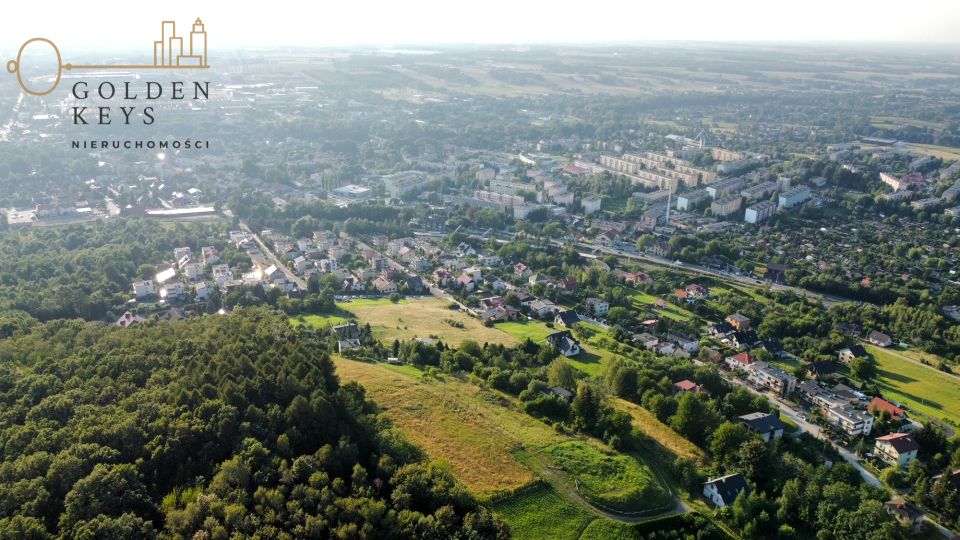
827, 300
273, 258
816, 431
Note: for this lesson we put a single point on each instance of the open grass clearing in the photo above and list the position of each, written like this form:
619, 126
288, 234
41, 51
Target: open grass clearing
921, 388
423, 318
616, 481
666, 437
474, 430
542, 513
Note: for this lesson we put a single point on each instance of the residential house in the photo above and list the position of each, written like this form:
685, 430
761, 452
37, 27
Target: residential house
879, 405
129, 319
774, 378
348, 336
724, 490
743, 361
822, 370
879, 339
720, 330
906, 513
522, 270
301, 264
415, 285
560, 392
566, 318
374, 259
854, 422
767, 425
384, 285
646, 340
541, 308
203, 290
686, 344
192, 271
143, 289
466, 282
539, 279
165, 273
608, 238
173, 291
353, 284
494, 282
211, 255
896, 448
738, 321
442, 277
598, 307
744, 339
665, 348
564, 343
686, 385
221, 274
848, 354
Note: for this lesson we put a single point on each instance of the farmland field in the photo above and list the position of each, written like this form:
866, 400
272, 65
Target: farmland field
615, 481
542, 513
424, 318
921, 388
474, 430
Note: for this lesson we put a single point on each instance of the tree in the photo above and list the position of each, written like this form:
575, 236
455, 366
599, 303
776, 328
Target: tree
695, 418
587, 406
726, 441
562, 374
864, 368
109, 490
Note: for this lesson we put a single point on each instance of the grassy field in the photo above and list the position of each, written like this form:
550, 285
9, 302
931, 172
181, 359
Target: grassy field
319, 321
921, 388
542, 513
605, 529
423, 317
615, 481
894, 121
666, 437
642, 299
521, 330
474, 430
943, 152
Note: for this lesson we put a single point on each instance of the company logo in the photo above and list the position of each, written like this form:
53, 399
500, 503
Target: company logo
170, 52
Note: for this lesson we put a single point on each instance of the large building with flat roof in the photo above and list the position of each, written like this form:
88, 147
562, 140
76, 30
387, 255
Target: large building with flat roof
794, 197
761, 211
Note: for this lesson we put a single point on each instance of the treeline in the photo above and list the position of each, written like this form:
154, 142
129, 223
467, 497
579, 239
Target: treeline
220, 427
302, 219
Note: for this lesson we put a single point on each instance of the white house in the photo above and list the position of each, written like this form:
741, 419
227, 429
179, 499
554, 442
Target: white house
203, 290
896, 448
597, 306
142, 289
724, 490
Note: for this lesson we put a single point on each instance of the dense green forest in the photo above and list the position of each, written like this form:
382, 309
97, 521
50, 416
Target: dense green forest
219, 427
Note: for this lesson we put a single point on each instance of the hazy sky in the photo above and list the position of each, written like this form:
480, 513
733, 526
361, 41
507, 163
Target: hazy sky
126, 24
